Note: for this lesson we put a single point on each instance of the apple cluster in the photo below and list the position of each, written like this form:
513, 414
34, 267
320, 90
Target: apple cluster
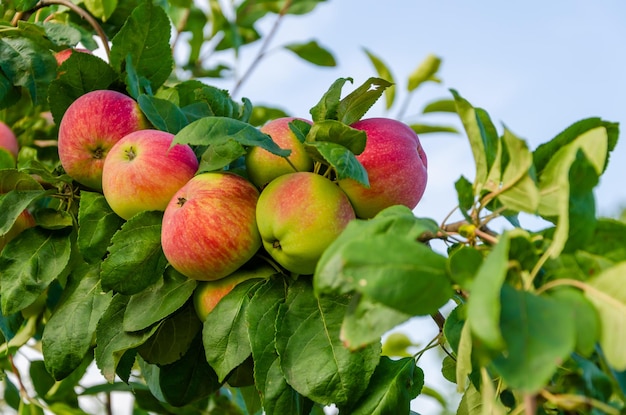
215, 222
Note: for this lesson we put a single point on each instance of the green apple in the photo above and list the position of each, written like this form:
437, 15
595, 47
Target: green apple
299, 215
209, 226
91, 125
263, 166
396, 166
143, 170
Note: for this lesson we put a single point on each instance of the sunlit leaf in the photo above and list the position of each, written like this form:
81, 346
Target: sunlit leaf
312, 52
383, 72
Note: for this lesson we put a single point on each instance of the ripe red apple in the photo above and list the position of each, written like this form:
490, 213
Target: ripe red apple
91, 125
263, 166
8, 141
209, 226
142, 172
24, 221
396, 165
299, 215
208, 293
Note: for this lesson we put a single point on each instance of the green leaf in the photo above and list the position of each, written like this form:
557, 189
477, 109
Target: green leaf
312, 52
146, 37
607, 292
163, 114
158, 300
135, 259
425, 72
535, 345
13, 203
225, 332
465, 194
392, 387
421, 128
220, 154
463, 265
68, 334
354, 106
28, 64
113, 341
102, 9
335, 132
29, 263
218, 102
312, 356
62, 34
584, 316
342, 160
12, 179
79, 74
440, 105
326, 108
383, 72
53, 219
97, 223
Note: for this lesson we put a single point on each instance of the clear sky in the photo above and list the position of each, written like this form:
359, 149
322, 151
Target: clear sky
536, 66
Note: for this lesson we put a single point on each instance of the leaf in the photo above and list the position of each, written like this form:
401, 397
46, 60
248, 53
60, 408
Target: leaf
102, 9
225, 333
342, 160
69, 333
585, 318
12, 179
314, 361
424, 72
28, 64
354, 106
326, 108
312, 52
463, 265
392, 387
465, 194
335, 132
440, 105
607, 292
79, 74
13, 203
383, 72
146, 37
29, 263
113, 341
97, 223
163, 114
135, 259
421, 128
158, 300
535, 345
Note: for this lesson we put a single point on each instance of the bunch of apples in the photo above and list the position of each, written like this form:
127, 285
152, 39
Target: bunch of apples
292, 208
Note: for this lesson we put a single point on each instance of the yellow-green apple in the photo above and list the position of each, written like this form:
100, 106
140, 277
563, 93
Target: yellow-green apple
396, 166
263, 166
24, 221
299, 215
209, 226
143, 170
91, 125
208, 293
9, 146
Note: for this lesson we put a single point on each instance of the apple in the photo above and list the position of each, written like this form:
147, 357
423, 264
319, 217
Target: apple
299, 215
62, 55
24, 221
208, 293
396, 166
91, 125
142, 172
8, 141
263, 166
209, 226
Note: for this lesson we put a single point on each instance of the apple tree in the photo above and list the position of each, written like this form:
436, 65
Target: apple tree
528, 321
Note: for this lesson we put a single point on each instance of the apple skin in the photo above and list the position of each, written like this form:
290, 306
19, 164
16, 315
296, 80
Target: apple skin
141, 172
263, 166
24, 221
91, 125
299, 215
396, 165
209, 226
208, 293
8, 140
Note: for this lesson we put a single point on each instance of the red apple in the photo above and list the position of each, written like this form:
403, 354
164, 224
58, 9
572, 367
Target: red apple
62, 55
24, 221
8, 140
90, 127
263, 166
209, 226
142, 172
396, 166
299, 215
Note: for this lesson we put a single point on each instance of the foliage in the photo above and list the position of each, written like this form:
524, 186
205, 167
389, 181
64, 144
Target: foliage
538, 317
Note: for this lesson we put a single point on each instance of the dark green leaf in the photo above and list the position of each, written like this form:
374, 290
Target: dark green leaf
312, 52
218, 102
158, 300
383, 72
29, 263
68, 335
135, 259
13, 203
335, 132
354, 106
163, 114
326, 108
49, 218
340, 158
97, 224
220, 154
584, 316
465, 191
463, 265
312, 356
62, 34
